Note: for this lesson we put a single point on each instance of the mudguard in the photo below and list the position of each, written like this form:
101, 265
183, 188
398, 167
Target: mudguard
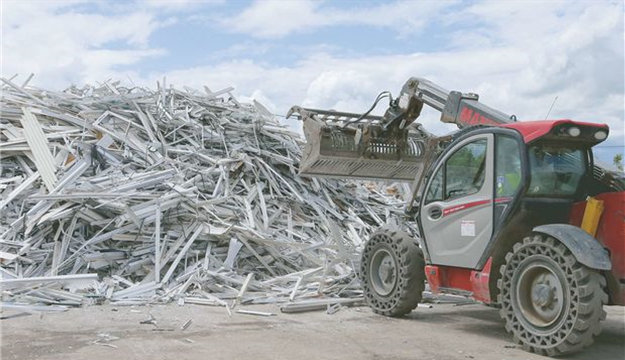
586, 249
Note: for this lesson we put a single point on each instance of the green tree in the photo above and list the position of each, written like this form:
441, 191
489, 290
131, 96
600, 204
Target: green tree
618, 161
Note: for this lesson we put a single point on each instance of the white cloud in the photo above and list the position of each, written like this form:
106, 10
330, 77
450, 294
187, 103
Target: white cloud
178, 5
62, 45
274, 18
575, 53
518, 57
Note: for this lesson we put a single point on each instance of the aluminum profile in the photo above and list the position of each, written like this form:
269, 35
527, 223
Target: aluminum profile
39, 147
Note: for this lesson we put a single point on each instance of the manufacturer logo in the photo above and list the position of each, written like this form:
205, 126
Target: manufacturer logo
470, 117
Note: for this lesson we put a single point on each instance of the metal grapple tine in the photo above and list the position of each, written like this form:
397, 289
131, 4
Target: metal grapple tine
363, 150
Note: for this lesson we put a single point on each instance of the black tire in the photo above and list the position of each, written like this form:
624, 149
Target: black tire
406, 279
535, 275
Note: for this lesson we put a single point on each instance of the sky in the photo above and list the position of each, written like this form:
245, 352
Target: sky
519, 56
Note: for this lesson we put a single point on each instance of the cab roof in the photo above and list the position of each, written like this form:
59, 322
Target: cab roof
534, 130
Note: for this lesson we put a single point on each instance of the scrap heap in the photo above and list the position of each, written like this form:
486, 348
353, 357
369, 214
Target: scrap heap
134, 196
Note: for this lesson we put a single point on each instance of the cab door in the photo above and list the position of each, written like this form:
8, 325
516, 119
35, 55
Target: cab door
457, 210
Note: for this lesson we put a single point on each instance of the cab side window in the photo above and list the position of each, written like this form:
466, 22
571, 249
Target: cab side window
435, 192
464, 170
462, 173
507, 166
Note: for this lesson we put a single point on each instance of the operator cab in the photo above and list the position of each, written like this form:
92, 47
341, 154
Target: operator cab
501, 182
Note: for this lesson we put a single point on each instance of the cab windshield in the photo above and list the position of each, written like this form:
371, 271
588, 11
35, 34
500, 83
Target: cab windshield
555, 171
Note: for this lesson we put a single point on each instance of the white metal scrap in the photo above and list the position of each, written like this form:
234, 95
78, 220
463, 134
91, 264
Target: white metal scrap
166, 195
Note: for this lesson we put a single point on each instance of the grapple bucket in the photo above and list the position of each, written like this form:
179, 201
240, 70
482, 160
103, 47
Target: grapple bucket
338, 147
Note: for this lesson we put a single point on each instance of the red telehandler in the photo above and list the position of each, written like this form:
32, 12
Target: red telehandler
512, 214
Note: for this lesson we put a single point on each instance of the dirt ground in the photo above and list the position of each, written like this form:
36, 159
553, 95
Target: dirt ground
444, 331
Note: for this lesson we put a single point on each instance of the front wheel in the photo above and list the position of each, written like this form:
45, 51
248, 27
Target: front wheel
551, 303
392, 273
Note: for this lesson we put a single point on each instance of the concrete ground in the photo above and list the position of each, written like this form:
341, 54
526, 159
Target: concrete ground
441, 332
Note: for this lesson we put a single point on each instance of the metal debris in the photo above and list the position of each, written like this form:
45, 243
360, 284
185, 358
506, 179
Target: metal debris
186, 324
104, 339
257, 313
150, 321
16, 315
169, 195
331, 305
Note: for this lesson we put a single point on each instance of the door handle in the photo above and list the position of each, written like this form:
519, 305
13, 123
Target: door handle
435, 213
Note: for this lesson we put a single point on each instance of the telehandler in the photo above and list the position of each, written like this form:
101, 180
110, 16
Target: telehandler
512, 214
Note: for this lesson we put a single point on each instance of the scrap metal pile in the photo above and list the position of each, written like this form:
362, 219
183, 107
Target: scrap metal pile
135, 196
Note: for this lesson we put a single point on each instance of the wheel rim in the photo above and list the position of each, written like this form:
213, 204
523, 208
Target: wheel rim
383, 272
541, 294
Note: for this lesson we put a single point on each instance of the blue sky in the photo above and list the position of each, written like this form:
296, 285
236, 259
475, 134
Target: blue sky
518, 55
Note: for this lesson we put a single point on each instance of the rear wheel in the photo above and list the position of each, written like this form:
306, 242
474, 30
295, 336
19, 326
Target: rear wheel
551, 303
392, 273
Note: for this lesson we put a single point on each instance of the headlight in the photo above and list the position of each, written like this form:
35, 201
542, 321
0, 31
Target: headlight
601, 135
574, 131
